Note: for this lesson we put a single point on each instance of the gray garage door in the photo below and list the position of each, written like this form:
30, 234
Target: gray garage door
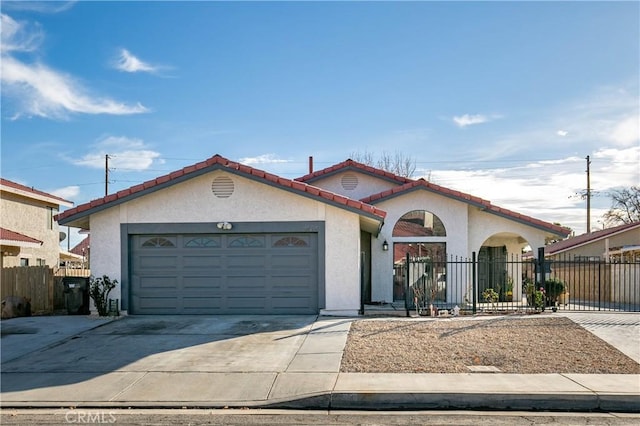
224, 274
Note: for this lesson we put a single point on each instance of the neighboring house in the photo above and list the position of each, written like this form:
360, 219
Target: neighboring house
222, 237
620, 242
29, 234
81, 252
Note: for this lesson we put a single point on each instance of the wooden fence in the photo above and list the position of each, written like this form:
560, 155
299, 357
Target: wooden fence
41, 284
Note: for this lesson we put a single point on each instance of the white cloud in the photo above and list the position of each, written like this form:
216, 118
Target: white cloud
39, 6
37, 90
19, 36
626, 132
127, 62
562, 133
68, 192
125, 154
550, 190
468, 120
262, 159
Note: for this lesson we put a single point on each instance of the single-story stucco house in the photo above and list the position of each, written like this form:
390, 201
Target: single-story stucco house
220, 237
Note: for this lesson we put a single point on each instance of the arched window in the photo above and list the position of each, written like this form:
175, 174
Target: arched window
158, 242
419, 223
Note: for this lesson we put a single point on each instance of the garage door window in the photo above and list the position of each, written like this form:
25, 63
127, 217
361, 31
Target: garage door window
244, 242
202, 242
159, 242
290, 242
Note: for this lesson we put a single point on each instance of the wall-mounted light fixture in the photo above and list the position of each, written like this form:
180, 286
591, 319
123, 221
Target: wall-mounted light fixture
224, 225
385, 246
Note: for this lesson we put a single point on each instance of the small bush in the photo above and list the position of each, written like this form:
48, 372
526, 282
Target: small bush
490, 296
553, 288
99, 289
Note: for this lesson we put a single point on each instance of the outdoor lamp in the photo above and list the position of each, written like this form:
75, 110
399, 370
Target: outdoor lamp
385, 246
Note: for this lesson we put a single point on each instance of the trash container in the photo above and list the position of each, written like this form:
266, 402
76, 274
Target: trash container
76, 295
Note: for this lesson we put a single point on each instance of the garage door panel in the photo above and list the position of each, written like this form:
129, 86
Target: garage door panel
157, 262
152, 283
213, 283
244, 282
224, 274
202, 302
159, 303
292, 302
246, 261
292, 283
304, 261
202, 261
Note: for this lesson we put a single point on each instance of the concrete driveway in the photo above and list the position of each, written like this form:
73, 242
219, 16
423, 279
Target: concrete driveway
167, 359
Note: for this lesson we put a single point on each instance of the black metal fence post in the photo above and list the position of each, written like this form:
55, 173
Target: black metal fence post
362, 284
474, 282
406, 284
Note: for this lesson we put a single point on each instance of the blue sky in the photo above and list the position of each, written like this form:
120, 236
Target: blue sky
503, 100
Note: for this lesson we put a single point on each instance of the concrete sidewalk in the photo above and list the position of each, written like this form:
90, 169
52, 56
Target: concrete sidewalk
299, 369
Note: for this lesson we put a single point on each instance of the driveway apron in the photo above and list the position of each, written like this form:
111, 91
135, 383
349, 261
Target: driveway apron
162, 359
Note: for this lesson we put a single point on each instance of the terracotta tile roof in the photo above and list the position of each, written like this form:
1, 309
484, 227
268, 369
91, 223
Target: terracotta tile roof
31, 190
573, 242
8, 235
409, 229
81, 247
353, 165
208, 165
485, 205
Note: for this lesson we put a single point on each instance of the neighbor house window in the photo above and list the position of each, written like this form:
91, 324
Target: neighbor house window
51, 212
41, 262
24, 261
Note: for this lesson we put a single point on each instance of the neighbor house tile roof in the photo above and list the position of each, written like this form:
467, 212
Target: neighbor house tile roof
30, 191
6, 235
353, 165
484, 205
213, 163
82, 247
583, 239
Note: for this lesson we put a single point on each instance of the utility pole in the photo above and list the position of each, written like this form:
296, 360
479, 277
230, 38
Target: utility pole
588, 196
106, 175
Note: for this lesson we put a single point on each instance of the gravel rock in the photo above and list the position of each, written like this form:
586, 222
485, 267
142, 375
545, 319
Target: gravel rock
532, 344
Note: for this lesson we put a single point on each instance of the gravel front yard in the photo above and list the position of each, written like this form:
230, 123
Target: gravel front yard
531, 344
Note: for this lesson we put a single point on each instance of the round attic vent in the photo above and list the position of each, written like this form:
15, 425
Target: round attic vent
222, 187
349, 182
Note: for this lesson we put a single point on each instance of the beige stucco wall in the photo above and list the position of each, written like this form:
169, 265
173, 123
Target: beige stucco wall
31, 218
453, 215
484, 225
367, 185
193, 201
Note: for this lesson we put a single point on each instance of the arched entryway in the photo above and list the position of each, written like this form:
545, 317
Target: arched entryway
421, 235
501, 266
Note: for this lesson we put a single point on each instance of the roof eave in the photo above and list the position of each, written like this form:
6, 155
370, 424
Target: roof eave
75, 220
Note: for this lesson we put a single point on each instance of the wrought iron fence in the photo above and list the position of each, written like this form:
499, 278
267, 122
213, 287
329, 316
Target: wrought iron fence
514, 283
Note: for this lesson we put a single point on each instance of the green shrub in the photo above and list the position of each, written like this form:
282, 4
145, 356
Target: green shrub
490, 296
553, 288
99, 289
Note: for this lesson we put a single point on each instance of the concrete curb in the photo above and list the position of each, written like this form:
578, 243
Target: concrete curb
624, 403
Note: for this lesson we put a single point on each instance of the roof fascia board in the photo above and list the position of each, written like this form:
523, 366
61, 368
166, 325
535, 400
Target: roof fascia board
137, 194
35, 196
352, 168
481, 206
22, 244
600, 238
425, 188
